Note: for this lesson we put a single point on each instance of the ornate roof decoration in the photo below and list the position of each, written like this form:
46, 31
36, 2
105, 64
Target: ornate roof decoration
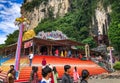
53, 35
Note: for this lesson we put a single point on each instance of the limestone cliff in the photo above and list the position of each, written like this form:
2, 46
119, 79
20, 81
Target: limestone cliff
101, 19
47, 8
55, 8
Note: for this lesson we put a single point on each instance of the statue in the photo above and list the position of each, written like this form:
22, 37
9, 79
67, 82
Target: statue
28, 35
87, 51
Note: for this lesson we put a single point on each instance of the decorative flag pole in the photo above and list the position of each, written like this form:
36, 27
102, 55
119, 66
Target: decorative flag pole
21, 22
111, 59
110, 53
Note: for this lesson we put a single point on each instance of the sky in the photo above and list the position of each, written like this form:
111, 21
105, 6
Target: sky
9, 11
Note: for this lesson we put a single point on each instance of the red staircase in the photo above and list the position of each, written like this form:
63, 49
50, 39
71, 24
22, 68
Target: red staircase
3, 76
25, 73
6, 66
59, 62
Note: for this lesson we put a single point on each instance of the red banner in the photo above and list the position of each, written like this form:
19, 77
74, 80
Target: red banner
28, 44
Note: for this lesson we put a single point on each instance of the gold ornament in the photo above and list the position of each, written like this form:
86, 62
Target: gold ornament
21, 20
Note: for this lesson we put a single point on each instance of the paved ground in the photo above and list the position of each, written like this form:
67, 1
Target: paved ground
101, 81
104, 81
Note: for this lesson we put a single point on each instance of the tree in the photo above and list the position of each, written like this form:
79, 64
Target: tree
89, 41
114, 30
2, 46
12, 38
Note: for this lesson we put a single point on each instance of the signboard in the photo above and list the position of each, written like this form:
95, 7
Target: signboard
28, 44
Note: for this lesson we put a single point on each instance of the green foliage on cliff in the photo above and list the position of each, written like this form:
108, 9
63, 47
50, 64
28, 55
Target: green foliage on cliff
74, 24
114, 30
29, 6
89, 41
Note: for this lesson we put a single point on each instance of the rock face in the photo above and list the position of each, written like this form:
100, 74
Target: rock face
101, 48
101, 19
54, 7
100, 26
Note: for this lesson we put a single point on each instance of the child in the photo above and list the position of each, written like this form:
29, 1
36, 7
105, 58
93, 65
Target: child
75, 75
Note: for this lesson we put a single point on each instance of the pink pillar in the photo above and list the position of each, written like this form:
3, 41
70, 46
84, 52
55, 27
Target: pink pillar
18, 50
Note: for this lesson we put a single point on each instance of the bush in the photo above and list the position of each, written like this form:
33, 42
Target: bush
90, 41
117, 66
31, 5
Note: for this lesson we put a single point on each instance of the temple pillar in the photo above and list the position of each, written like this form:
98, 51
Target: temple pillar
48, 50
51, 50
39, 48
29, 49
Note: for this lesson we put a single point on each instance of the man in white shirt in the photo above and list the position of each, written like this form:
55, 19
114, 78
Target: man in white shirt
30, 58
